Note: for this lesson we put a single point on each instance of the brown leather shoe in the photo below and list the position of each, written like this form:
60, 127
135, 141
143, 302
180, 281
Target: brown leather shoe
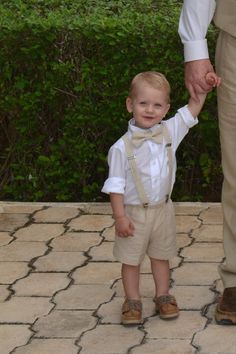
131, 312
226, 308
166, 306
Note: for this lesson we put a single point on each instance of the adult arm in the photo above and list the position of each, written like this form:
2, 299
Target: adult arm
195, 18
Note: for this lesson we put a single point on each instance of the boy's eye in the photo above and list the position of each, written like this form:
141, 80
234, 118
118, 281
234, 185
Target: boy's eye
157, 105
143, 102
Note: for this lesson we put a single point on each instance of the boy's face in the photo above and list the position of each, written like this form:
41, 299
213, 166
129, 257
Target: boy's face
149, 106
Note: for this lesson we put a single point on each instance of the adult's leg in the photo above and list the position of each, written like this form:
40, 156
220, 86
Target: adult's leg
226, 68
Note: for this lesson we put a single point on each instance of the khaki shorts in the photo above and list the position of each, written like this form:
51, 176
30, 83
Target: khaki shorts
154, 234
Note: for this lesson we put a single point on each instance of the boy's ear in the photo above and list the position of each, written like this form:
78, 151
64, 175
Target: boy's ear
167, 108
129, 105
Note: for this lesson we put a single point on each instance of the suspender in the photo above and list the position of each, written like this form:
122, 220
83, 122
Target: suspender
134, 170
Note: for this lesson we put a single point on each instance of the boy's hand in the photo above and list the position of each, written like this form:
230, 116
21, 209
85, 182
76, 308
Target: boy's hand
212, 79
124, 227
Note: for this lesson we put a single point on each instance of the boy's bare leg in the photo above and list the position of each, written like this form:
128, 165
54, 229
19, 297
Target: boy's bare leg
130, 279
161, 276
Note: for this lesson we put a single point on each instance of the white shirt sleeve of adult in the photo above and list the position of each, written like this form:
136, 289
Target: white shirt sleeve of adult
115, 182
195, 18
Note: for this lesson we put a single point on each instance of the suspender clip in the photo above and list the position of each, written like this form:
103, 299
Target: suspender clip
167, 198
145, 205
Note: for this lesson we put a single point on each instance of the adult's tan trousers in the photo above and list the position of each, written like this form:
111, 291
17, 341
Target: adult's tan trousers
226, 69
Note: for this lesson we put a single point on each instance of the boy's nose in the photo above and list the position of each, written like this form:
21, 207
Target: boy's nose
149, 108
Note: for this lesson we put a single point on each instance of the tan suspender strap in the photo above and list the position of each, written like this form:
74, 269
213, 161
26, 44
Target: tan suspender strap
134, 170
167, 138
133, 166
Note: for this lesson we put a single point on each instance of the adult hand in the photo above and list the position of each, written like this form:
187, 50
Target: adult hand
195, 77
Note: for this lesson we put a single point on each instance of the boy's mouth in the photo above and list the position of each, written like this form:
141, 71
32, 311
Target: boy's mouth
149, 117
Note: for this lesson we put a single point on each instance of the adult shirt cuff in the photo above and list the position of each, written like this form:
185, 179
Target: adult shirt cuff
187, 117
114, 185
195, 50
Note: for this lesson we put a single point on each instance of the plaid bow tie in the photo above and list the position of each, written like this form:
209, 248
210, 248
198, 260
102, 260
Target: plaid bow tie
138, 138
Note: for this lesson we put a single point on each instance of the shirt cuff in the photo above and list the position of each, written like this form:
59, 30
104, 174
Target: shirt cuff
195, 50
187, 117
114, 185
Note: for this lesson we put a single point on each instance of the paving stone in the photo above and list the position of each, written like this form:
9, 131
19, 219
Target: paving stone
219, 286
39, 232
147, 287
183, 240
189, 208
175, 262
21, 208
185, 224
10, 271
91, 223
110, 339
210, 313
216, 339
12, 336
4, 293
111, 312
146, 267
76, 241
203, 252
103, 253
183, 327
109, 234
56, 214
24, 309
209, 233
193, 297
79, 297
96, 208
5, 238
195, 274
59, 262
213, 215
165, 346
41, 284
10, 222
64, 324
22, 251
83, 307
49, 346
97, 273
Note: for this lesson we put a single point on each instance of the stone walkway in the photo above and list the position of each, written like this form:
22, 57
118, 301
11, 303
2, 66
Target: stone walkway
61, 292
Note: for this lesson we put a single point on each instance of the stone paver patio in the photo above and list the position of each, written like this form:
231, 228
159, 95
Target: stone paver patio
61, 291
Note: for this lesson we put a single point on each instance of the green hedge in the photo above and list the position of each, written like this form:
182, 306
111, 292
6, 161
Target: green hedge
65, 68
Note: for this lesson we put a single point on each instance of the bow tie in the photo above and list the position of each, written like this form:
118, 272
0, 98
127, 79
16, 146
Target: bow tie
138, 138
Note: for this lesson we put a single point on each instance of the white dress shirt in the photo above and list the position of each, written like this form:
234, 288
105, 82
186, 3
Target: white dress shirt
195, 18
151, 159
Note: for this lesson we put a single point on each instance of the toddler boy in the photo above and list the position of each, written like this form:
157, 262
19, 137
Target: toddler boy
142, 167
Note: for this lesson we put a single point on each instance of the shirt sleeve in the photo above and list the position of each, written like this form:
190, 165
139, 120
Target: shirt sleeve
187, 117
179, 125
115, 182
195, 18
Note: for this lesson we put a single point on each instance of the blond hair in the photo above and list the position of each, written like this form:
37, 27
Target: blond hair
154, 79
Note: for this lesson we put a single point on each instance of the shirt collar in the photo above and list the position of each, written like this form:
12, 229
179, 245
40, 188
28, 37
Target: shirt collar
133, 128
